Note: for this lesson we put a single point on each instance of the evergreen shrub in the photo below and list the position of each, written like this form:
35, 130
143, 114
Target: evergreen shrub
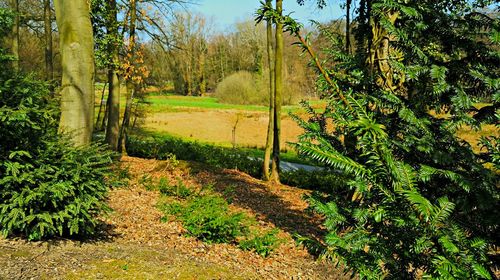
208, 218
47, 187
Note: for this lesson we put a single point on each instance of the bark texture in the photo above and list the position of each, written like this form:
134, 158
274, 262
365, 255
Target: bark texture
14, 35
113, 127
77, 55
47, 24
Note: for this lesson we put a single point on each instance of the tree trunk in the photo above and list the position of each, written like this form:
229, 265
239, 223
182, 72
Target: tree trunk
113, 124
77, 55
130, 83
270, 130
102, 107
104, 121
122, 148
14, 35
113, 127
348, 26
278, 90
47, 24
202, 87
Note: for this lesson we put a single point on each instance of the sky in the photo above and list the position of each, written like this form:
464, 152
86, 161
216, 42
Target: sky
227, 12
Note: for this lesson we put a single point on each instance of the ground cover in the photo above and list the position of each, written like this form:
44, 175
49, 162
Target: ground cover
135, 244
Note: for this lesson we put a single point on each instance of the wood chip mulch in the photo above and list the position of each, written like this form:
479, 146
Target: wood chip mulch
135, 224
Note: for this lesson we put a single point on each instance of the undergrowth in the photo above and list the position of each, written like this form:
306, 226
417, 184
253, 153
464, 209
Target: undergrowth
168, 148
219, 157
47, 187
262, 244
208, 217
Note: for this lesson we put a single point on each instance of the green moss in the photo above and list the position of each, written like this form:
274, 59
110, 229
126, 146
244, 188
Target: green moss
21, 254
145, 266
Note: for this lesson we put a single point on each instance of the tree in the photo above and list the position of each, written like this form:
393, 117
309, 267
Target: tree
270, 128
188, 53
77, 52
47, 24
48, 187
278, 92
14, 34
113, 125
348, 25
266, 12
417, 201
129, 75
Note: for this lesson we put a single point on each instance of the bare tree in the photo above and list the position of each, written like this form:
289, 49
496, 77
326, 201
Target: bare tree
129, 72
270, 128
278, 91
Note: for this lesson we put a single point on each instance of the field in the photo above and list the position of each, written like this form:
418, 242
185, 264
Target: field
206, 120
216, 126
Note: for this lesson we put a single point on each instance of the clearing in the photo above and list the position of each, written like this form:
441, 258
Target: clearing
204, 119
216, 126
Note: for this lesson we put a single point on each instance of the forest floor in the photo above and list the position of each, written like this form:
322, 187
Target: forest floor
134, 244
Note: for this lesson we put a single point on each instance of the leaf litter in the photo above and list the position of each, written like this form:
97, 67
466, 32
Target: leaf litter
133, 242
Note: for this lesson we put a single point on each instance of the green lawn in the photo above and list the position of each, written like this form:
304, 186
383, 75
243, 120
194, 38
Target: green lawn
170, 102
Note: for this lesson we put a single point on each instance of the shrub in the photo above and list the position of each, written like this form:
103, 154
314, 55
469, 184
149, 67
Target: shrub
55, 191
47, 187
418, 203
262, 244
220, 157
253, 89
242, 88
179, 190
170, 147
208, 218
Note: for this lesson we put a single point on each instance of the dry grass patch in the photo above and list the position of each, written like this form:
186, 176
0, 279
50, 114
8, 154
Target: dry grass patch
216, 126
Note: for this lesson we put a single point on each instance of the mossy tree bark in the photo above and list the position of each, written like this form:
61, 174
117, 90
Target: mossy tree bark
270, 128
14, 35
113, 126
77, 54
47, 24
278, 91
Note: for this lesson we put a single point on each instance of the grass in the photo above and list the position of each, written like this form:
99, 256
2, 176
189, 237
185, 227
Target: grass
163, 103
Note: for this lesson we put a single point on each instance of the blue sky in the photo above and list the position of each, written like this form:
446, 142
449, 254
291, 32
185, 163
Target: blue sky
227, 12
